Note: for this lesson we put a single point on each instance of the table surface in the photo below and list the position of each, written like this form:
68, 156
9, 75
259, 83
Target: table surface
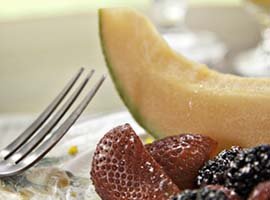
38, 56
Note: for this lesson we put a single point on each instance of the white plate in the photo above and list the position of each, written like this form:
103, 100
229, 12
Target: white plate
51, 178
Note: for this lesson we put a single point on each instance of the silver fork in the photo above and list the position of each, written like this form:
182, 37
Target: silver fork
39, 138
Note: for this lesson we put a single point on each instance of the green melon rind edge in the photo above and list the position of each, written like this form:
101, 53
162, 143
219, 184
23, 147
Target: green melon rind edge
132, 109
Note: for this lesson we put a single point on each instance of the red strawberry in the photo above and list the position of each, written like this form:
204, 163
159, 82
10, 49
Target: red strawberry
123, 169
182, 156
261, 192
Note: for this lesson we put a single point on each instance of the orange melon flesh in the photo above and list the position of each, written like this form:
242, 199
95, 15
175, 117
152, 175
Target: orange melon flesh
168, 94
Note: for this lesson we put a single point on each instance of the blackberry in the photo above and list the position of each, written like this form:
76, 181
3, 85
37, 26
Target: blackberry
210, 194
249, 168
229, 192
186, 195
214, 170
202, 194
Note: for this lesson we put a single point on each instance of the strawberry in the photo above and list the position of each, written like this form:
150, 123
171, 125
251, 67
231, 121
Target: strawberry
182, 156
123, 169
261, 192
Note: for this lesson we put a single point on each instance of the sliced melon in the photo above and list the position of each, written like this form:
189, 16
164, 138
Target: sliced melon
168, 94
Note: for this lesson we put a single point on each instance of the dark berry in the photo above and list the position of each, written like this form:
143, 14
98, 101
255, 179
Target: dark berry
229, 192
211, 194
186, 195
249, 168
207, 193
214, 170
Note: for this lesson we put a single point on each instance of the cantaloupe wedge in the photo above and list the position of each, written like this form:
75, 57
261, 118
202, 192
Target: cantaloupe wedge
168, 94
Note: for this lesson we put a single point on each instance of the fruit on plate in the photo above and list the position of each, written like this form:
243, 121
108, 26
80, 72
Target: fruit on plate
181, 156
167, 93
123, 169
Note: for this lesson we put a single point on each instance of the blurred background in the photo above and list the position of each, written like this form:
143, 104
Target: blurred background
44, 42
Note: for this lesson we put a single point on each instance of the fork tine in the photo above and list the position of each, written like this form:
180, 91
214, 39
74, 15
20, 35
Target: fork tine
17, 143
56, 136
37, 138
